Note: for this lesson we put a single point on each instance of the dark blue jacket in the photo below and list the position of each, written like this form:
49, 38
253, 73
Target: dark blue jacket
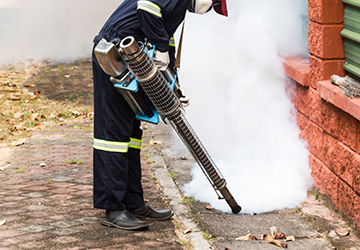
143, 23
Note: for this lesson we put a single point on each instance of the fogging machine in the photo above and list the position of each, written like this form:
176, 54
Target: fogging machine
152, 93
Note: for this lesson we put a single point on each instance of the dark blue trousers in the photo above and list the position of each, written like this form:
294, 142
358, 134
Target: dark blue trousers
117, 175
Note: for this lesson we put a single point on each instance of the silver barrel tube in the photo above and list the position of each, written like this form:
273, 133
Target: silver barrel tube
160, 94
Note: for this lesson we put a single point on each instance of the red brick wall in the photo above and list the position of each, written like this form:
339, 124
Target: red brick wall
325, 117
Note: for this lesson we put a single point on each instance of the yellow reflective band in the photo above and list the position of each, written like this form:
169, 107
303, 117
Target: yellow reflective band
149, 7
135, 143
172, 42
111, 146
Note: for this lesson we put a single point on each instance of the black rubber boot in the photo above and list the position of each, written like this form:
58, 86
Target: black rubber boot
123, 220
147, 213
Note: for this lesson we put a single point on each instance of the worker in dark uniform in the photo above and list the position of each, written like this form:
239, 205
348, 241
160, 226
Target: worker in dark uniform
117, 134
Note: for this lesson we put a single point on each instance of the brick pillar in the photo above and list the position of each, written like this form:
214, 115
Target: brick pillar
325, 42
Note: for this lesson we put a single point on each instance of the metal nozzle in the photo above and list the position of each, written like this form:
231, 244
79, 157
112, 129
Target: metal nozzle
129, 47
235, 208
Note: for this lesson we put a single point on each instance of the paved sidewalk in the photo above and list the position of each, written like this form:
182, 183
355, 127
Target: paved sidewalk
46, 198
312, 224
46, 202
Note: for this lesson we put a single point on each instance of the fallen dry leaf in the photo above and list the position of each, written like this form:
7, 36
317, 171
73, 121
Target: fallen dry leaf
67, 76
13, 97
37, 93
40, 126
268, 237
342, 231
29, 85
60, 124
34, 116
290, 238
75, 113
279, 236
18, 143
211, 236
10, 120
188, 230
2, 222
90, 115
152, 142
275, 242
265, 237
36, 127
18, 115
18, 128
246, 237
273, 231
31, 129
10, 89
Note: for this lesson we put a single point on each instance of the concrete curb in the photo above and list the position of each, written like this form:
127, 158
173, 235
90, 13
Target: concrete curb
182, 212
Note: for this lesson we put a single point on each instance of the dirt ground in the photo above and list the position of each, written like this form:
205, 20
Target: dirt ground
66, 82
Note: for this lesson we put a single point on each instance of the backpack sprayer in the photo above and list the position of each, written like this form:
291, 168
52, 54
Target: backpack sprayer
151, 93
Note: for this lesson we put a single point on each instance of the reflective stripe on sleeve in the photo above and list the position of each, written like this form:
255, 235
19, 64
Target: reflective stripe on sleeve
172, 42
111, 146
135, 143
149, 7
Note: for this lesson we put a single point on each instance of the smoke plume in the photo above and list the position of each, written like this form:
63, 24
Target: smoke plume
232, 71
58, 29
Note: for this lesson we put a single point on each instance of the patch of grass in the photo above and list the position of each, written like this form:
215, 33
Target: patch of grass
82, 127
171, 175
187, 200
207, 236
185, 243
178, 225
316, 194
20, 170
150, 161
74, 161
